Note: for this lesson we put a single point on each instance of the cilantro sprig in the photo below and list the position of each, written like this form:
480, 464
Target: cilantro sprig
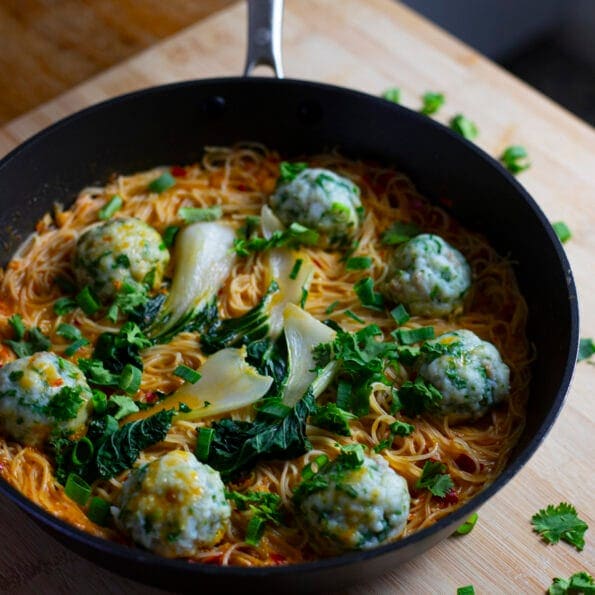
265, 507
26, 341
560, 522
580, 582
434, 479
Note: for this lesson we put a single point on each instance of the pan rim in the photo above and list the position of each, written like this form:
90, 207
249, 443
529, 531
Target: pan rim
139, 556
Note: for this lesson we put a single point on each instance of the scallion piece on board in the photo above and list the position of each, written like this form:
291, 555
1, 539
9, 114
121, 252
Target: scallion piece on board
465, 127
468, 525
187, 374
110, 208
562, 231
77, 489
162, 183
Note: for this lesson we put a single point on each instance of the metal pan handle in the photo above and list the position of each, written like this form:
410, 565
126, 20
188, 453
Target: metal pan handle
265, 20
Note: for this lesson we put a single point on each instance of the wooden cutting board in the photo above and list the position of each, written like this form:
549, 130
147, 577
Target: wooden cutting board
370, 46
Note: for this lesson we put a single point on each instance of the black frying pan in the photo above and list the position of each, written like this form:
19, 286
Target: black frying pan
171, 124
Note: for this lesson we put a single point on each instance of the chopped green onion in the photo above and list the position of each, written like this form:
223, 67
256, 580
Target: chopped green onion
83, 451
465, 127
514, 159
162, 183
407, 337
468, 525
87, 301
169, 235
187, 374
314, 466
586, 348
99, 400
401, 428
399, 232
358, 263
74, 347
109, 209
432, 102
369, 298
194, 214
303, 298
393, 95
130, 379
77, 489
204, 438
332, 307
400, 314
562, 231
296, 269
255, 530
466, 590
98, 511
68, 331
64, 305
354, 316
18, 326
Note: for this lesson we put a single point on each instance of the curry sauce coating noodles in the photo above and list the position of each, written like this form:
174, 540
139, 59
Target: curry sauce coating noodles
241, 179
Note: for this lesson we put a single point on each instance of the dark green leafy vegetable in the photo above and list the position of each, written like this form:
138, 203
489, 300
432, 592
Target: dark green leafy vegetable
580, 582
162, 183
99, 511
465, 127
393, 95
96, 373
413, 398
560, 522
193, 215
515, 159
562, 231
146, 312
332, 418
399, 233
432, 102
111, 207
364, 289
586, 349
434, 479
116, 350
296, 268
290, 171
466, 590
238, 445
468, 525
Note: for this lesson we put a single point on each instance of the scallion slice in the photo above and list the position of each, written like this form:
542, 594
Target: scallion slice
296, 269
83, 451
111, 208
407, 337
68, 331
99, 400
369, 298
358, 263
400, 314
194, 215
354, 316
162, 183
187, 374
332, 307
562, 231
255, 530
87, 301
18, 326
77, 489
204, 437
74, 347
98, 511
64, 305
130, 379
468, 525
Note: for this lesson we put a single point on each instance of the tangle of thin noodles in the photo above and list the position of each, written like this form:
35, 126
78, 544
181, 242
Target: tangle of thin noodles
239, 179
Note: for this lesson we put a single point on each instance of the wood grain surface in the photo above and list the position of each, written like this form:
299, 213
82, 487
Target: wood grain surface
370, 46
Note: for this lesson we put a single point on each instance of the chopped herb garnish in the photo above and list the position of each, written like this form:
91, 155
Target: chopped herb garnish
169, 235
75, 346
465, 127
393, 95
64, 305
562, 231
65, 404
400, 314
111, 207
188, 374
434, 479
77, 489
162, 183
354, 316
398, 428
358, 263
72, 333
580, 582
410, 336
332, 307
514, 159
432, 102
416, 397
466, 590
560, 522
290, 171
586, 348
193, 215
294, 236
204, 437
399, 233
121, 406
332, 418
87, 300
99, 511
99, 400
18, 326
468, 525
130, 379
369, 298
296, 268
26, 342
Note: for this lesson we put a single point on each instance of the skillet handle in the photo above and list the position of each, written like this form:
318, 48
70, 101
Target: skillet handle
265, 20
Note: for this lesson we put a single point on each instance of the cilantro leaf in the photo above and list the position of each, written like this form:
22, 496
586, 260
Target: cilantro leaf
333, 418
560, 522
294, 236
580, 582
65, 404
586, 349
434, 479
